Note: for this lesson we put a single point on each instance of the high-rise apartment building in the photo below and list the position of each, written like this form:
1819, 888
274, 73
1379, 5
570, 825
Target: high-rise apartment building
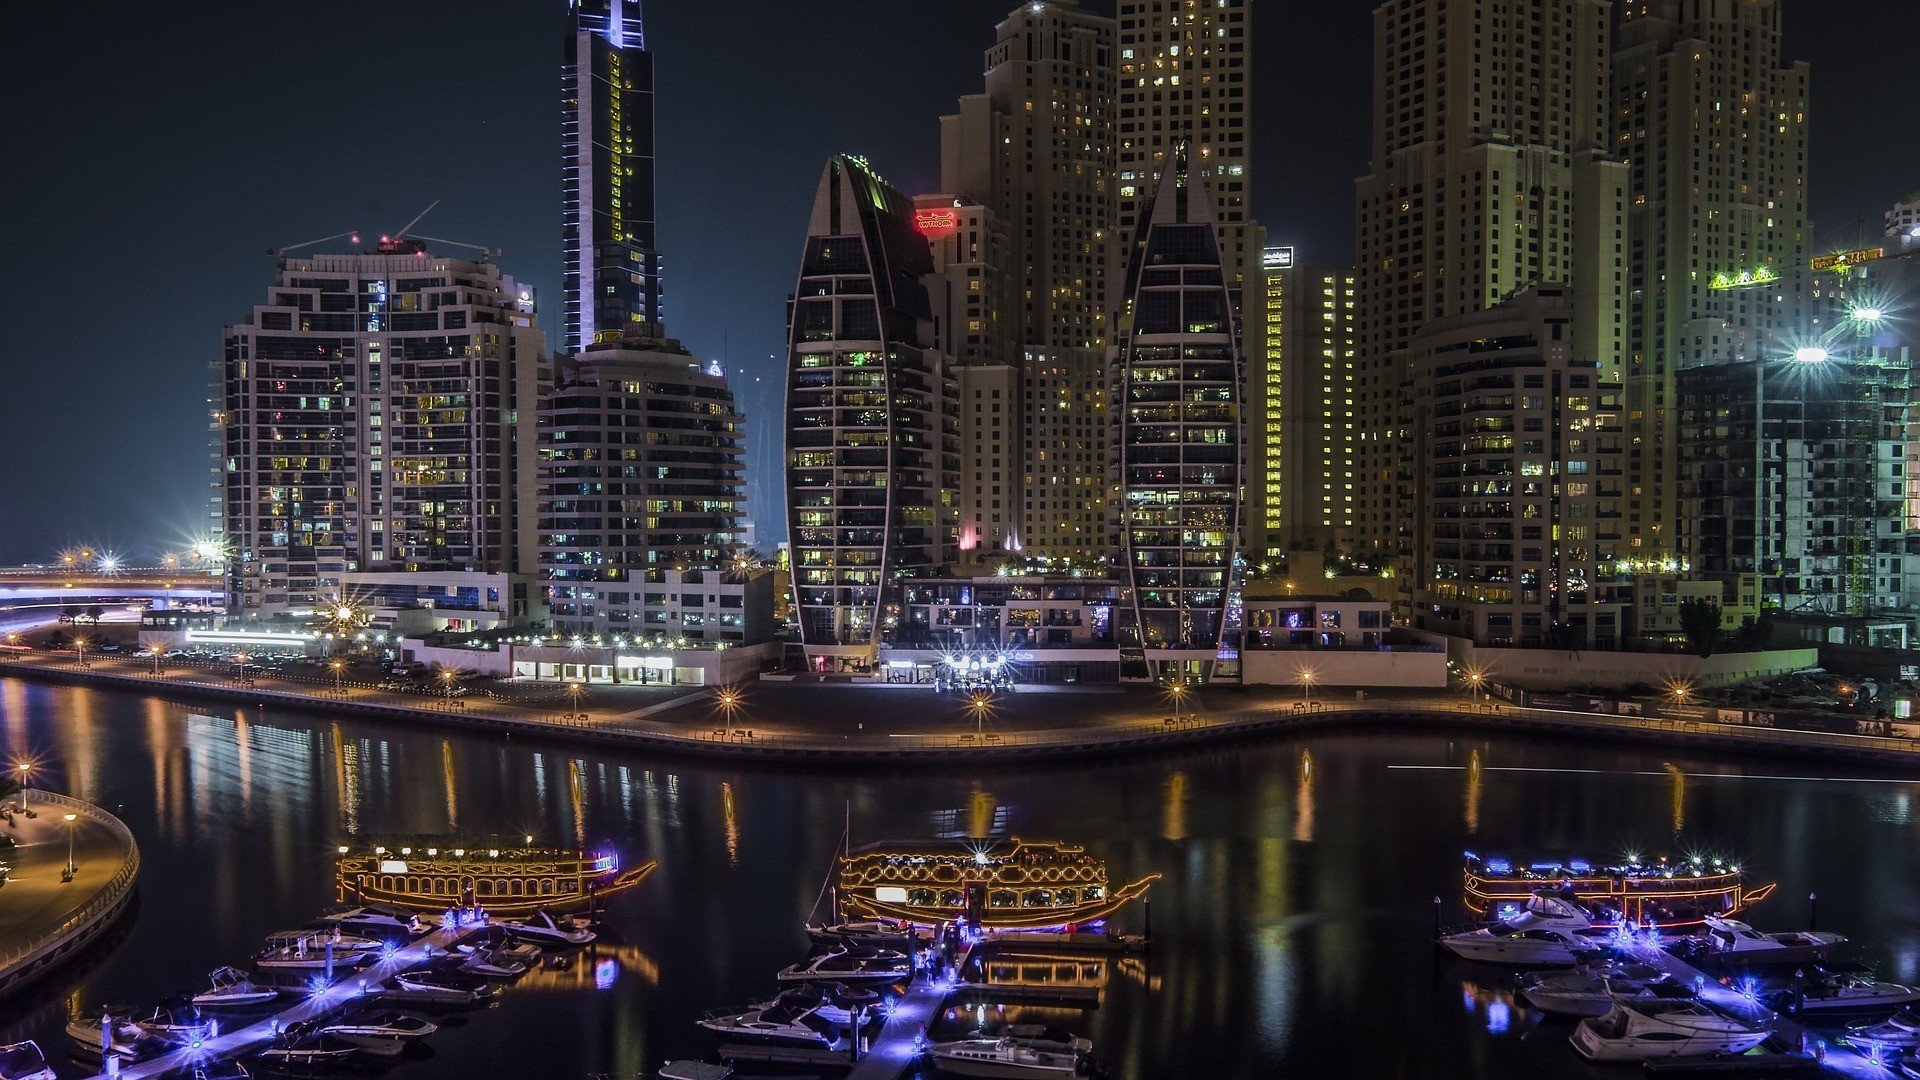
1186, 77
376, 414
1036, 148
1176, 379
1491, 172
612, 266
1301, 410
1714, 124
872, 434
1517, 504
641, 476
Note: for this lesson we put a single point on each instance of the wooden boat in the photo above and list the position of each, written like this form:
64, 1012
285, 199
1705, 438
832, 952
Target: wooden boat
1678, 894
997, 884
434, 874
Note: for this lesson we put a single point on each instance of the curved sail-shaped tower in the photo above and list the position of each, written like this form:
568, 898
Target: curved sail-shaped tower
1175, 385
870, 447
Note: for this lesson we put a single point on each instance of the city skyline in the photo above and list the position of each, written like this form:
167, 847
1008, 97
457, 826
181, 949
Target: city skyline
221, 185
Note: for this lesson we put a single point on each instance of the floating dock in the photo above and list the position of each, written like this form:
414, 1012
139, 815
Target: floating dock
1791, 1046
345, 992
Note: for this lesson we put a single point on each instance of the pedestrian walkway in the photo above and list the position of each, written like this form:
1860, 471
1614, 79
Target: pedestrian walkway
46, 913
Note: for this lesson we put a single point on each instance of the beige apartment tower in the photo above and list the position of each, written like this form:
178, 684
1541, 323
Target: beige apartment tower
1491, 172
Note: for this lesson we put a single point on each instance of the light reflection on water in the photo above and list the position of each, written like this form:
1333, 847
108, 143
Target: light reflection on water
1294, 911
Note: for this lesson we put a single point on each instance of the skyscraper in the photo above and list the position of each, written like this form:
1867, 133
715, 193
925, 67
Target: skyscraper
612, 267
1036, 148
375, 414
872, 438
1714, 124
1186, 76
1491, 171
641, 476
1176, 381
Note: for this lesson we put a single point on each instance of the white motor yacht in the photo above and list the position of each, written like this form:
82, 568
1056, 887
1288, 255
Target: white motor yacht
367, 1028
1592, 991
177, 1022
1006, 1058
233, 989
492, 964
542, 928
1902, 1032
24, 1061
869, 967
791, 1019
465, 988
1847, 994
1732, 942
423, 989
1552, 932
1665, 1029
313, 1051
496, 940
309, 950
375, 921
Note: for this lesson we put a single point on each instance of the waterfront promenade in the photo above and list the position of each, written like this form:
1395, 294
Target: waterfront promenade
44, 918
799, 721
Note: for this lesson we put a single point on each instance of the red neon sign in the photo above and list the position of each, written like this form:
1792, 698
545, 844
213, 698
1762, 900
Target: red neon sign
937, 223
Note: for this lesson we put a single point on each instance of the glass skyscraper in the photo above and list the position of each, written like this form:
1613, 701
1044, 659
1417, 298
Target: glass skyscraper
612, 263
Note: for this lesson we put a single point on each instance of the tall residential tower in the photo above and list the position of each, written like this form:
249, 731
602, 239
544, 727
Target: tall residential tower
612, 266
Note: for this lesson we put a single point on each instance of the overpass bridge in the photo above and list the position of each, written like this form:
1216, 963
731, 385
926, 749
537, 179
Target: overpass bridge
36, 594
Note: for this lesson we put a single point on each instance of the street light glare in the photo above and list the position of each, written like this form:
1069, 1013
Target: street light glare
1811, 354
1869, 314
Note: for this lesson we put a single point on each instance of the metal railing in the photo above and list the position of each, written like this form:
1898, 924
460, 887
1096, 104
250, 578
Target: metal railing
104, 903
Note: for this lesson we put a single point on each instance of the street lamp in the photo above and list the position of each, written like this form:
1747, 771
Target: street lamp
1179, 693
80, 651
980, 704
1476, 676
26, 780
13, 642
240, 666
339, 677
71, 818
1812, 354
1307, 675
575, 690
729, 700
447, 678
156, 653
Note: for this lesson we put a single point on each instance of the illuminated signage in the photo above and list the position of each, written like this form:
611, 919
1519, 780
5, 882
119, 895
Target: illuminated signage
937, 222
1276, 258
890, 894
392, 866
1845, 259
1745, 279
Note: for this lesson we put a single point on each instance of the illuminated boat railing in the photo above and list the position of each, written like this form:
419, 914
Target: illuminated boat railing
435, 875
1021, 884
1668, 894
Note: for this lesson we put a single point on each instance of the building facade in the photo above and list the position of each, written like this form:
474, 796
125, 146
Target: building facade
872, 433
642, 475
375, 414
1714, 125
1518, 510
612, 266
1492, 170
1176, 377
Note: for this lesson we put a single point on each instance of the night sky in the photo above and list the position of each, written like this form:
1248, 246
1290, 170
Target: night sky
154, 151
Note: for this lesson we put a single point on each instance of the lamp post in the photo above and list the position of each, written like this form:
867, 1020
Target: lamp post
26, 781
1179, 692
1475, 677
729, 700
979, 704
1306, 685
339, 677
13, 642
575, 690
71, 818
240, 666
156, 653
79, 651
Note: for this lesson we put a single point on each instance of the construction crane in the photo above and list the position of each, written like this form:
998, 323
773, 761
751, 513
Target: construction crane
351, 236
405, 233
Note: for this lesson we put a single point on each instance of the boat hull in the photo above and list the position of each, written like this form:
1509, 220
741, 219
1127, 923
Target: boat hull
949, 1065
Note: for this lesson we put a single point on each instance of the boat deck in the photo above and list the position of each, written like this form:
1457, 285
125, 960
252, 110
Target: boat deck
346, 991
1790, 1045
896, 1046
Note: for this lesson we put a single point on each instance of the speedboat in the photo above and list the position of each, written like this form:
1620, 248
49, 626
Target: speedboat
1039, 1035
374, 921
1732, 942
1007, 1058
113, 1032
322, 935
542, 928
693, 1070
1902, 1031
175, 1022
465, 988
791, 1019
316, 1051
1665, 1029
24, 1061
233, 989
883, 933
497, 941
308, 950
1846, 994
1593, 991
373, 1031
868, 966
492, 964
1552, 932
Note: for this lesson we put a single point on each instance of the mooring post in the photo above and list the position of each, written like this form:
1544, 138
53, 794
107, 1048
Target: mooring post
1813, 911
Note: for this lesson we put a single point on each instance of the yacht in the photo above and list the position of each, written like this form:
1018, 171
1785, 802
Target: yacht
175, 1022
497, 941
233, 989
112, 1032
465, 989
543, 929
1592, 991
1552, 932
375, 921
492, 964
314, 1051
882, 933
370, 1030
322, 935
791, 1019
308, 950
865, 966
1902, 1032
1846, 994
24, 1061
1665, 1029
1007, 1058
1732, 942
1039, 1035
